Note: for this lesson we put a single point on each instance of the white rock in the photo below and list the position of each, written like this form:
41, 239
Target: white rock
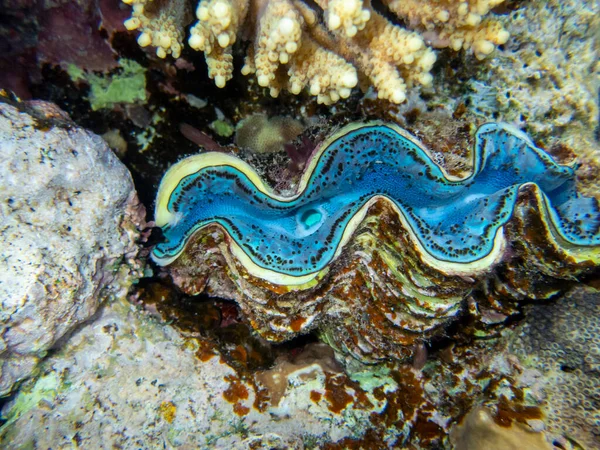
68, 218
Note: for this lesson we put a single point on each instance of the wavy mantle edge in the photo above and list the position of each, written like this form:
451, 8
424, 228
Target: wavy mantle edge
195, 163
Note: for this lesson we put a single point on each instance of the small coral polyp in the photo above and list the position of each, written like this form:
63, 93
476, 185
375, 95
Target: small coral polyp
379, 247
292, 49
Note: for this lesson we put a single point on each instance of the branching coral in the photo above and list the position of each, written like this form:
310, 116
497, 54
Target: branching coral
455, 24
292, 49
215, 33
161, 24
391, 58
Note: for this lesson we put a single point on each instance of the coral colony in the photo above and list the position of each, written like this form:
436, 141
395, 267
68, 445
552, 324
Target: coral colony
295, 51
441, 226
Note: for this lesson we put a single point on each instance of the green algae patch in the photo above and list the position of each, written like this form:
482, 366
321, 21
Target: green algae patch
146, 138
43, 390
222, 128
76, 73
373, 378
127, 85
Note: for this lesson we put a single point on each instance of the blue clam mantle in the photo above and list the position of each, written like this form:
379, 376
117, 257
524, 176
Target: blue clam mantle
289, 240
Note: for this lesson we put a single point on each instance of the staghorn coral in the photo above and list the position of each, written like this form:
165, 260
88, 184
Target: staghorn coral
348, 15
215, 33
280, 40
391, 58
360, 235
292, 49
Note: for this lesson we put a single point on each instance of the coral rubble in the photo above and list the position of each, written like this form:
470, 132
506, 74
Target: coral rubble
292, 49
359, 234
70, 219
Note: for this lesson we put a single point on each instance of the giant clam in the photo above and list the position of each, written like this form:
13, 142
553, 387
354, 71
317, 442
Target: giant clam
379, 247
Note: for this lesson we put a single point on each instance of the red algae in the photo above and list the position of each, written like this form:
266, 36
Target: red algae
507, 413
234, 393
297, 323
240, 409
206, 350
336, 393
315, 396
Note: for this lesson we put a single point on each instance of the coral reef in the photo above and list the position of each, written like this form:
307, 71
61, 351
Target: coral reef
68, 238
181, 393
291, 49
431, 272
313, 401
313, 258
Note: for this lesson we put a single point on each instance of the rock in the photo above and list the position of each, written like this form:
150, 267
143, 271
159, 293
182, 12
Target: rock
479, 431
69, 220
128, 380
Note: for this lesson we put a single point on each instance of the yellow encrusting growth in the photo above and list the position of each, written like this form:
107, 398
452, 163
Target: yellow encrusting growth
292, 49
